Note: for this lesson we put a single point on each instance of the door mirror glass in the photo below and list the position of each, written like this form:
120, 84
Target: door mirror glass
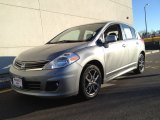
110, 38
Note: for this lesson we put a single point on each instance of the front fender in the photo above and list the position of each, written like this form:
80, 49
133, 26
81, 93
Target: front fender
89, 54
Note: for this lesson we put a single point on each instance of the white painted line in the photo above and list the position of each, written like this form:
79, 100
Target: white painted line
106, 85
4, 91
155, 51
153, 67
147, 53
147, 67
149, 61
6, 67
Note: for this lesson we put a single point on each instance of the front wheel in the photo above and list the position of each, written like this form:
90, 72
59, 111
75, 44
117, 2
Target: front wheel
90, 82
141, 64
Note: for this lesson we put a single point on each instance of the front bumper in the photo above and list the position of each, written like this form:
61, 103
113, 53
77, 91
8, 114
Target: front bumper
67, 79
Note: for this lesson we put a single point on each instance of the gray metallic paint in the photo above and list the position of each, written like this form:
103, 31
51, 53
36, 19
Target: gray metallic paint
49, 51
67, 77
115, 59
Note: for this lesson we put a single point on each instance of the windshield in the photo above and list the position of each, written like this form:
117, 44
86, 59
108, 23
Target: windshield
78, 34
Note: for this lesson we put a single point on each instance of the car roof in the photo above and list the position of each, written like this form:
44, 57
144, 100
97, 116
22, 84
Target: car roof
105, 22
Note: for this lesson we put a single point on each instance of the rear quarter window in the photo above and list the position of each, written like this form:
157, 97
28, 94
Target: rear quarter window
128, 33
133, 33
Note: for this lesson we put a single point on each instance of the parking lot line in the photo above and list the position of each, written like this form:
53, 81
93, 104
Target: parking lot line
147, 53
155, 51
4, 91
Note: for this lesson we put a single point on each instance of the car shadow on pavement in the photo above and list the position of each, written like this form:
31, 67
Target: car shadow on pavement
13, 104
128, 76
16, 105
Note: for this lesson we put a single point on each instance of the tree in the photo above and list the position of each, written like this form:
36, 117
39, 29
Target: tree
158, 31
153, 33
142, 33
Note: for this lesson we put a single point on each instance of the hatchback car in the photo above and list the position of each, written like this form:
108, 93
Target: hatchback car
79, 60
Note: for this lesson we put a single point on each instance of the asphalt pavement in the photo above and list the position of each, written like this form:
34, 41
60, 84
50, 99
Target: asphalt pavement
129, 97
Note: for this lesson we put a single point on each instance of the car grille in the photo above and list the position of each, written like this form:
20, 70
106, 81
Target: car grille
32, 85
29, 65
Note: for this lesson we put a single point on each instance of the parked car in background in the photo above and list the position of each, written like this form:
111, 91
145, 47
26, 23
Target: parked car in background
79, 60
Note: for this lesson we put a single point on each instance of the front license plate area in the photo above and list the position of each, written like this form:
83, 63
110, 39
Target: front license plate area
17, 82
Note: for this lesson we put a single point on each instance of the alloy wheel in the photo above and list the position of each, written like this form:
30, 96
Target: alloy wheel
141, 63
91, 82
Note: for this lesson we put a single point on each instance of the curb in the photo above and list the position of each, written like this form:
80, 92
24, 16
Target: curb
4, 82
152, 52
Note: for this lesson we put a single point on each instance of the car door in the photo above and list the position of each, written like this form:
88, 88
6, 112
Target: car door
132, 43
116, 54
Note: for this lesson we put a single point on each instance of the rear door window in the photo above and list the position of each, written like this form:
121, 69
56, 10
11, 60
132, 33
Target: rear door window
129, 32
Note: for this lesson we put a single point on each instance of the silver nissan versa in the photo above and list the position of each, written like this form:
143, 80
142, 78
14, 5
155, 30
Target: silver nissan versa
79, 60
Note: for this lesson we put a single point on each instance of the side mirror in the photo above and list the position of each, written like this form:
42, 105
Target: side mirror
110, 38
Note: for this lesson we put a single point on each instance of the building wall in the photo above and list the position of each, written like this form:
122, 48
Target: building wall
28, 23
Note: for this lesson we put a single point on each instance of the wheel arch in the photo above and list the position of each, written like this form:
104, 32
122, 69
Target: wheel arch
96, 63
142, 52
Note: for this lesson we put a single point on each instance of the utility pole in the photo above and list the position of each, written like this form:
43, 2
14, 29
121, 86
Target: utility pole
145, 13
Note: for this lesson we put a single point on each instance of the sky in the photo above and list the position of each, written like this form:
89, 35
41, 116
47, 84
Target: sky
153, 14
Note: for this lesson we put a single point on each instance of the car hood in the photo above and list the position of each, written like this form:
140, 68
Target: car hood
50, 51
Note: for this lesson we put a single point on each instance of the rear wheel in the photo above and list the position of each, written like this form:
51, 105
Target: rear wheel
141, 64
90, 82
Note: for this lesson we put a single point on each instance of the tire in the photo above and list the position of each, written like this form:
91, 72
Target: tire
141, 64
90, 82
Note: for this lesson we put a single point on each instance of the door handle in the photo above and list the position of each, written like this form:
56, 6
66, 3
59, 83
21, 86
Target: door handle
124, 45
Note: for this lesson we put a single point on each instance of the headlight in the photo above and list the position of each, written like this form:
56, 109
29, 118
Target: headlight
62, 61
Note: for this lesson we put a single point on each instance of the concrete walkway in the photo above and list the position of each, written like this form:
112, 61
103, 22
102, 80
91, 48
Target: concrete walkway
4, 81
